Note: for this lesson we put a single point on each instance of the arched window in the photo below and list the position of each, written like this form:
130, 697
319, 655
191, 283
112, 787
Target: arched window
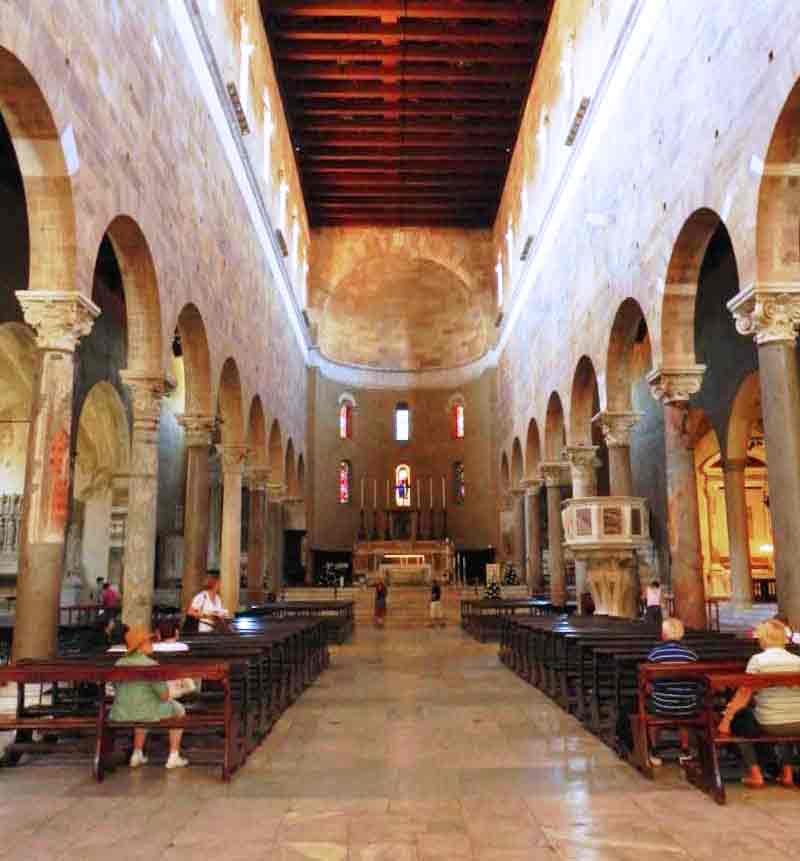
458, 421
402, 422
346, 421
402, 486
344, 482
459, 489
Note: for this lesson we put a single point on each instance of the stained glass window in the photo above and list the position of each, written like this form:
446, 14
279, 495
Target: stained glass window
344, 482
458, 421
459, 488
402, 486
345, 421
402, 422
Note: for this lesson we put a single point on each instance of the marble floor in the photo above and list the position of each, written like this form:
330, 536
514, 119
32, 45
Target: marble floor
415, 745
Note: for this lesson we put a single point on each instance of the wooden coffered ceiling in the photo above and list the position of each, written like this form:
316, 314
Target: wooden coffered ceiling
404, 112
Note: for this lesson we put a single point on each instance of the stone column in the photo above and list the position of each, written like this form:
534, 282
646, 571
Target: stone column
140, 539
738, 538
554, 474
257, 478
518, 530
233, 458
533, 535
583, 463
616, 428
673, 387
60, 320
276, 492
771, 313
197, 438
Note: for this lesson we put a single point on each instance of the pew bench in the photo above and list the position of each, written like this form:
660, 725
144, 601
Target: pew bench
719, 687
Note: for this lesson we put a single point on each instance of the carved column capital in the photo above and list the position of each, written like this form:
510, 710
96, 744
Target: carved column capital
256, 478
146, 394
582, 459
233, 458
770, 312
197, 429
532, 486
676, 384
554, 473
276, 491
617, 427
60, 319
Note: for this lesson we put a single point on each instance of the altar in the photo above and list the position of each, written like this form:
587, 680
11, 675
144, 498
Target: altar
403, 563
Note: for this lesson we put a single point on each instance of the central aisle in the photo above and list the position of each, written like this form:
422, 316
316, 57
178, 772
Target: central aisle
415, 745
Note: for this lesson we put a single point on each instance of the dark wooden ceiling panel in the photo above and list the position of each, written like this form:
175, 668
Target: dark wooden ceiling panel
404, 111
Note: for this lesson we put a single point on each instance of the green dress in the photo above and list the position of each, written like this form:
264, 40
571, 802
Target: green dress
136, 702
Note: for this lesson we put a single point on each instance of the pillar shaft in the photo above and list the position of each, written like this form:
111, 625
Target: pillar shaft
518, 531
683, 517
275, 536
533, 538
60, 319
558, 587
771, 313
616, 428
257, 539
780, 405
140, 539
233, 458
198, 504
738, 538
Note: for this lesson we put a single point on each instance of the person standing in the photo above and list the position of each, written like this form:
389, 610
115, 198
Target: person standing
381, 593
652, 598
207, 607
437, 615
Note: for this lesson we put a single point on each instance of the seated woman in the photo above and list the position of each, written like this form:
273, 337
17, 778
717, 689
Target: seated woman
145, 702
776, 710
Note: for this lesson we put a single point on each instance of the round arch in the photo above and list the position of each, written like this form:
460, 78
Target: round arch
533, 453
257, 434
140, 286
276, 463
290, 470
683, 275
52, 248
197, 361
629, 332
745, 411
230, 404
554, 433
517, 464
505, 474
584, 402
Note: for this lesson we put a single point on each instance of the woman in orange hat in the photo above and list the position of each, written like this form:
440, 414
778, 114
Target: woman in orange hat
145, 702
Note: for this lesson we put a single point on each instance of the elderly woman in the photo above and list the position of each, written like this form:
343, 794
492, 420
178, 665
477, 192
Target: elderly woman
772, 711
145, 702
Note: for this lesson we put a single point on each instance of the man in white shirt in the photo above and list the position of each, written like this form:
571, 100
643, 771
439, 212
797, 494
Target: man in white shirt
207, 607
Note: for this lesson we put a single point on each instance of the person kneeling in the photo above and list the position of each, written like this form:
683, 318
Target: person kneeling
776, 711
145, 702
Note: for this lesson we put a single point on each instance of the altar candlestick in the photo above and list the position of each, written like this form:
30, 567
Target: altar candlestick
362, 492
374, 494
418, 496
431, 493
387, 492
444, 495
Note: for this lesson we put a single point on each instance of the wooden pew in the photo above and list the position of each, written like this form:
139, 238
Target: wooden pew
719, 687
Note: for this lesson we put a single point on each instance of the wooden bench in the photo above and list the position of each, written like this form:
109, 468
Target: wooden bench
337, 617
222, 721
719, 686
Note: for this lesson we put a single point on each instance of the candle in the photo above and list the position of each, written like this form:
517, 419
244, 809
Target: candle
431, 493
387, 492
362, 492
444, 495
374, 494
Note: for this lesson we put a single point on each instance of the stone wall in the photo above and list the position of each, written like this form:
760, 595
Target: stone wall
140, 141
373, 454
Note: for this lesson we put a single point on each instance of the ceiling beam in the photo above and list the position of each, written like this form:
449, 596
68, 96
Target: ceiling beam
446, 128
454, 53
417, 154
334, 107
393, 10
407, 173
403, 139
403, 72
486, 32
373, 89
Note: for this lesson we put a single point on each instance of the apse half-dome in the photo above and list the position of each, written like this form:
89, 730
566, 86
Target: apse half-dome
408, 314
